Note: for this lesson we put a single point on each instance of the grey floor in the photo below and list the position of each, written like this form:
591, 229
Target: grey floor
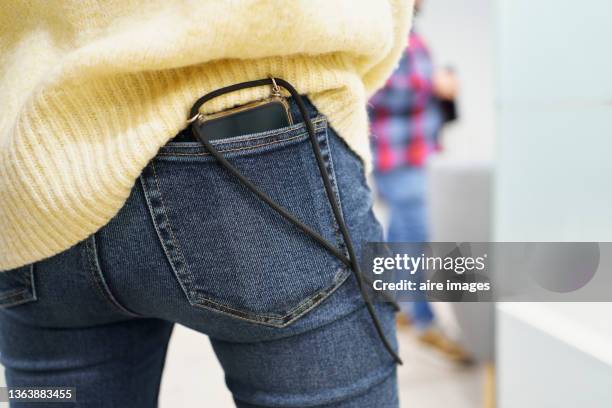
427, 380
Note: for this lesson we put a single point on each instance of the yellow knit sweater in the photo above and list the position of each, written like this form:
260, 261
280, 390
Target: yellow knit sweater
91, 89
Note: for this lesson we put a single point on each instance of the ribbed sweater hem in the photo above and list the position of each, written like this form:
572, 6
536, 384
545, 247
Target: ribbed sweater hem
40, 216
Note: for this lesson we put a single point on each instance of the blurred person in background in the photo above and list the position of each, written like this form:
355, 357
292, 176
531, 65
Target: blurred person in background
407, 116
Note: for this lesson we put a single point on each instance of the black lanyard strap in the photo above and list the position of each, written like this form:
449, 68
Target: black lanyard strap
351, 261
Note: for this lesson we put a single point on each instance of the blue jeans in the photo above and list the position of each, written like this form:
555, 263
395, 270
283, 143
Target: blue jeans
404, 191
193, 246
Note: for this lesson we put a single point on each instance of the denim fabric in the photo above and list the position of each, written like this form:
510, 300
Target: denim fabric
404, 191
17, 287
195, 247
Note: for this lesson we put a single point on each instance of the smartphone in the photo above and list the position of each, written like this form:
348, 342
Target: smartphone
259, 116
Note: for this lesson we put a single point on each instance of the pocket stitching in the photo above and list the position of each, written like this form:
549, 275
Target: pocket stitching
170, 253
283, 320
12, 293
319, 123
234, 150
333, 181
198, 300
172, 236
21, 299
25, 295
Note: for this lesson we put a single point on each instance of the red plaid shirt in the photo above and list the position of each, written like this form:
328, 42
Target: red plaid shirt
405, 115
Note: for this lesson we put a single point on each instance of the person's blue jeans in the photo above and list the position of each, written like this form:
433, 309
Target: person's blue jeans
193, 246
404, 191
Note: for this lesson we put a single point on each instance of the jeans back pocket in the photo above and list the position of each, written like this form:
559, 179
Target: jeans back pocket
230, 251
17, 286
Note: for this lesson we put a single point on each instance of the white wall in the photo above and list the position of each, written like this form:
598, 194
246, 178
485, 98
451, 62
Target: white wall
460, 33
553, 184
555, 120
549, 358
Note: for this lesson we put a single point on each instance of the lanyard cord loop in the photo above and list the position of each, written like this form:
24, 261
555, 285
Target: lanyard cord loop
351, 261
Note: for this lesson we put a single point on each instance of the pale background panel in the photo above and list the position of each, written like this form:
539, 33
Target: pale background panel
460, 33
553, 178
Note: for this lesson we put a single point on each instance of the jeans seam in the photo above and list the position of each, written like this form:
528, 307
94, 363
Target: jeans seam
235, 149
20, 296
201, 301
278, 321
332, 171
333, 181
25, 295
318, 124
32, 283
185, 278
12, 293
93, 264
185, 272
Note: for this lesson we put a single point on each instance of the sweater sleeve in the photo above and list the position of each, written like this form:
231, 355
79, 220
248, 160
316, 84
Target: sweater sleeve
376, 76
